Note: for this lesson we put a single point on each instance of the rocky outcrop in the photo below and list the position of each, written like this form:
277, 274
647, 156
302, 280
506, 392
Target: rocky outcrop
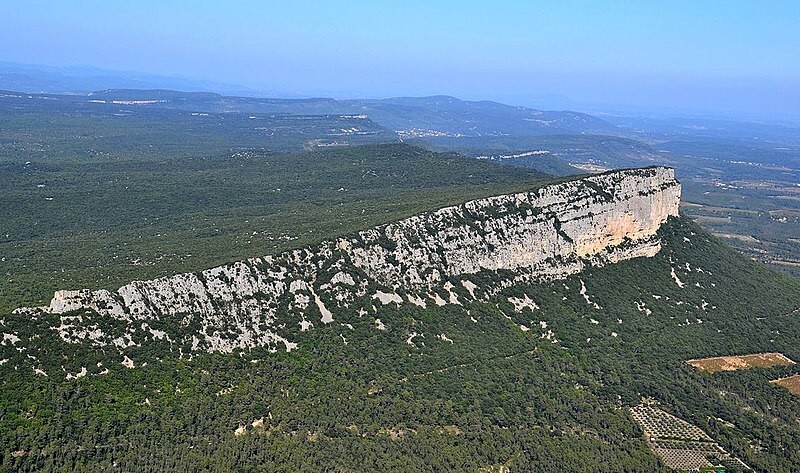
547, 233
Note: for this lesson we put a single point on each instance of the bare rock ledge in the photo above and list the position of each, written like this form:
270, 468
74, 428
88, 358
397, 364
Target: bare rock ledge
540, 235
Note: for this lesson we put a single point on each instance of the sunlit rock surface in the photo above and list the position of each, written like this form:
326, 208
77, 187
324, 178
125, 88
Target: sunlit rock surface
540, 235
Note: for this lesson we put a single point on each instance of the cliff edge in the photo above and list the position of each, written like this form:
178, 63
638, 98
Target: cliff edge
544, 234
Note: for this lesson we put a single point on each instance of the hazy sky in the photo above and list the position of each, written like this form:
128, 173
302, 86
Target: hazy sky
723, 55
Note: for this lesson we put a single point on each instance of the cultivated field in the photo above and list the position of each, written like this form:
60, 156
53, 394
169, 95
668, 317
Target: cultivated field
792, 383
733, 363
681, 445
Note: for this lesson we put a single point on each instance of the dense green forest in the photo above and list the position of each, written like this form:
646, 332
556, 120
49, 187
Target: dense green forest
495, 396
93, 199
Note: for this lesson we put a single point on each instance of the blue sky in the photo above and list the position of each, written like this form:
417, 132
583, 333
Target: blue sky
705, 54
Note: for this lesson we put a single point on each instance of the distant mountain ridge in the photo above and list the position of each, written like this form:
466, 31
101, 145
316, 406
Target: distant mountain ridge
81, 80
447, 114
410, 117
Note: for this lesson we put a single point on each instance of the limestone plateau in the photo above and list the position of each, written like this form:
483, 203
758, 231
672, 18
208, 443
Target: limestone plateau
467, 252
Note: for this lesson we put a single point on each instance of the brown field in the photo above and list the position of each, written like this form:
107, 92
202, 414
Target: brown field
792, 383
733, 363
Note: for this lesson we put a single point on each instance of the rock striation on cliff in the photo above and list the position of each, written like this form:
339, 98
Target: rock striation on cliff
544, 234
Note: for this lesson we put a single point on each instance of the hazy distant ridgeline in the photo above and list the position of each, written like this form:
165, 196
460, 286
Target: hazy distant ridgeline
411, 116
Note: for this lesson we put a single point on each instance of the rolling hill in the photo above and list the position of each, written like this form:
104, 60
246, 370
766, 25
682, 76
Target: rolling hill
493, 367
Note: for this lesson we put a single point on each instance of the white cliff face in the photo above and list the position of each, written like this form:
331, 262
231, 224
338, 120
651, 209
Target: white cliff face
544, 234
584, 218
